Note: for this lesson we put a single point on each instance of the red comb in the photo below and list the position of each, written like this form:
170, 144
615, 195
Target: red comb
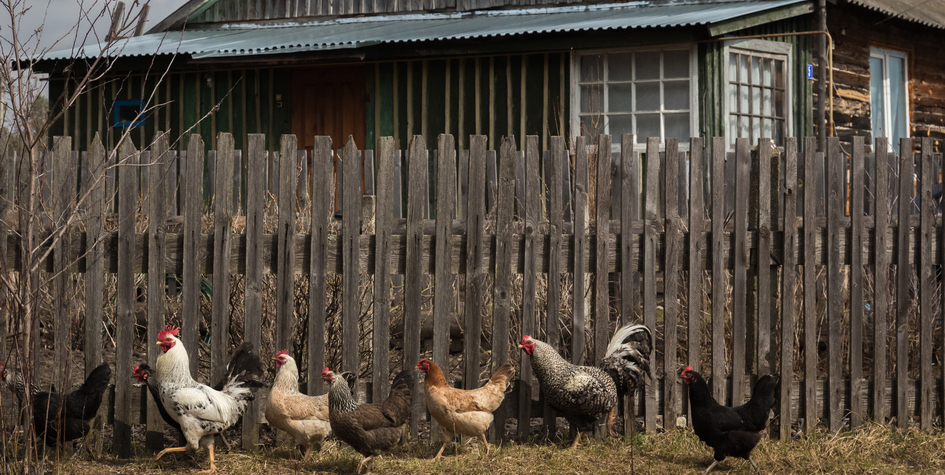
283, 352
326, 371
168, 330
688, 369
525, 338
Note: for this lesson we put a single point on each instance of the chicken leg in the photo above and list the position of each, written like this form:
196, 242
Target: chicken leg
169, 450
486, 442
364, 462
213, 466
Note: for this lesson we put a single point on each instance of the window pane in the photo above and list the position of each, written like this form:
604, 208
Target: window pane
620, 98
897, 99
677, 125
756, 100
592, 98
676, 95
648, 65
877, 98
648, 125
676, 64
620, 67
592, 126
620, 124
648, 96
592, 67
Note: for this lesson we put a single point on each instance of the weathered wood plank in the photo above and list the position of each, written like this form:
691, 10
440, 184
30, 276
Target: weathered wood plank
857, 189
650, 237
191, 278
285, 250
601, 322
350, 257
502, 298
95, 260
382, 280
719, 147
788, 282
763, 268
671, 257
835, 213
475, 272
532, 216
904, 271
157, 287
579, 309
445, 209
629, 288
927, 179
223, 211
881, 275
740, 274
413, 283
697, 249
63, 181
256, 197
125, 298
553, 169
810, 286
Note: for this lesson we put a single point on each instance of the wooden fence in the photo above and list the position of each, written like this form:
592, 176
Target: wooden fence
819, 282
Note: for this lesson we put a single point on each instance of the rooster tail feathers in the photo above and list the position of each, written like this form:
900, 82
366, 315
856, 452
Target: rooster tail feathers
245, 367
97, 380
402, 383
628, 356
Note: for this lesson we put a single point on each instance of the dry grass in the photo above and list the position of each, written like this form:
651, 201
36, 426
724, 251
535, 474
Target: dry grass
874, 449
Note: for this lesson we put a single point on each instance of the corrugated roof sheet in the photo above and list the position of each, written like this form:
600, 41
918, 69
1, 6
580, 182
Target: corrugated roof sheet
925, 12
253, 39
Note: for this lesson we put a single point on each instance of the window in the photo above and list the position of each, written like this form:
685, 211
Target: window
128, 114
889, 106
645, 92
758, 88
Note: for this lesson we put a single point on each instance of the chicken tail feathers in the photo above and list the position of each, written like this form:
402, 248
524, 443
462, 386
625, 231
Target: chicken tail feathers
765, 393
245, 367
628, 357
503, 374
97, 381
396, 408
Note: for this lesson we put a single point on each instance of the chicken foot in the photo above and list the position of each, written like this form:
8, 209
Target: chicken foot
488, 447
213, 466
364, 462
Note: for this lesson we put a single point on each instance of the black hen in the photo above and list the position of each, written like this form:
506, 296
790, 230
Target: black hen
81, 406
730, 431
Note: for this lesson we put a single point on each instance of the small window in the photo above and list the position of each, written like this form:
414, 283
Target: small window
889, 104
758, 86
129, 113
645, 92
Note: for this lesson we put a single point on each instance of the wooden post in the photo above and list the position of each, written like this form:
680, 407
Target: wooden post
880, 277
125, 293
529, 280
857, 245
835, 215
740, 286
650, 237
383, 222
810, 286
475, 273
417, 167
285, 247
256, 159
322, 178
193, 210
671, 266
788, 282
503, 268
903, 281
926, 280
157, 270
222, 243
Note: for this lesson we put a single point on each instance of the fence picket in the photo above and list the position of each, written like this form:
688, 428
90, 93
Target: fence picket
125, 297
881, 277
285, 247
63, 176
927, 179
529, 281
383, 222
553, 169
256, 199
650, 239
157, 287
671, 255
579, 310
740, 313
903, 280
443, 246
222, 250
788, 290
835, 215
767, 154
502, 298
719, 147
191, 280
475, 274
417, 168
857, 232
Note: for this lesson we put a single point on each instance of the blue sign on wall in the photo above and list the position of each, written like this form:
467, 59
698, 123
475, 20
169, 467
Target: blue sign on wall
810, 71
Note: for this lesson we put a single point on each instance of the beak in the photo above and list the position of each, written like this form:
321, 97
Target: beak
521, 346
274, 357
158, 343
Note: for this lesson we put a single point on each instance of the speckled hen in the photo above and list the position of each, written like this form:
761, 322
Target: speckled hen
200, 410
584, 393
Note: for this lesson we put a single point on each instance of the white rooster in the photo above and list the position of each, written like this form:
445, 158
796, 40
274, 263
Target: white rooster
201, 410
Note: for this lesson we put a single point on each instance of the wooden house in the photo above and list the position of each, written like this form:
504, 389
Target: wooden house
888, 69
371, 68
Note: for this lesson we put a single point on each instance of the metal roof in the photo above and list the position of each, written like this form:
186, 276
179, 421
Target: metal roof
925, 12
254, 39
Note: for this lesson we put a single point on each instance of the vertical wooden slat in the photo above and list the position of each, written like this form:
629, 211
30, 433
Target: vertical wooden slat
222, 250
193, 208
256, 197
788, 280
696, 253
157, 285
672, 249
553, 167
650, 237
601, 274
285, 248
628, 208
810, 285
63, 181
7, 174
445, 208
529, 280
880, 277
475, 274
835, 215
417, 167
763, 258
350, 256
857, 245
502, 298
927, 180
125, 298
579, 313
740, 274
383, 221
903, 281
719, 146
95, 259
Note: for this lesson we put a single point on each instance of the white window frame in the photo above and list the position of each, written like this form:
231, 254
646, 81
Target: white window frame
884, 55
576, 83
762, 48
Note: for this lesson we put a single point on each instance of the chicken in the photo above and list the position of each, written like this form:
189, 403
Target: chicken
304, 417
730, 431
466, 412
584, 393
370, 429
143, 373
200, 410
81, 406
14, 382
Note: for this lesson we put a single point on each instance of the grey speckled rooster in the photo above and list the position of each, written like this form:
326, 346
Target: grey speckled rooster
584, 393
